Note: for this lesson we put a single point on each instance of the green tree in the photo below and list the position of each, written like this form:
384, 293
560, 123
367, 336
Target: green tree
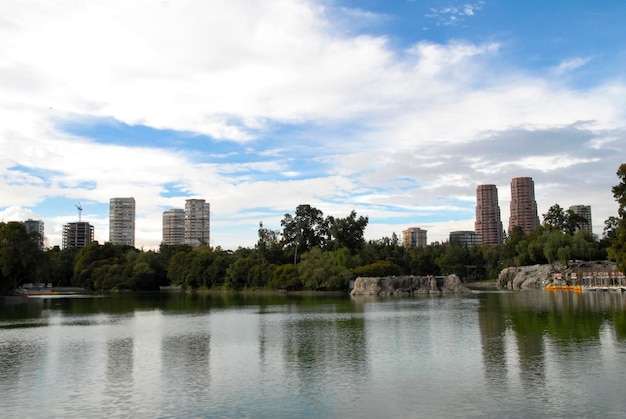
348, 232
555, 218
567, 222
381, 268
320, 270
611, 226
20, 256
285, 277
60, 265
304, 230
557, 247
269, 246
422, 259
457, 259
239, 272
617, 250
179, 266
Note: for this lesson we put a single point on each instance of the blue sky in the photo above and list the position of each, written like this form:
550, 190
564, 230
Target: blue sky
394, 109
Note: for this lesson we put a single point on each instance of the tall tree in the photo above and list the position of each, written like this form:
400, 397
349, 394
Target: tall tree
348, 232
611, 226
304, 230
618, 247
269, 245
555, 218
567, 222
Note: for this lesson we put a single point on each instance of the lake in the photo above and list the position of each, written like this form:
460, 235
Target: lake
488, 354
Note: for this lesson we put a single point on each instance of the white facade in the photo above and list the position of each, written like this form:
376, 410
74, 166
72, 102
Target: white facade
197, 222
122, 221
174, 227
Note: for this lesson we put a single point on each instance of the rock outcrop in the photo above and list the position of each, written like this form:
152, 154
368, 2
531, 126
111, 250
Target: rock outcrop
539, 276
408, 285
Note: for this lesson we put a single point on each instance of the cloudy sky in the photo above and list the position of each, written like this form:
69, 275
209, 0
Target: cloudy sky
396, 109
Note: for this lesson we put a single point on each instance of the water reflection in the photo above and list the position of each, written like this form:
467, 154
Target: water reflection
511, 354
118, 390
493, 340
552, 334
185, 373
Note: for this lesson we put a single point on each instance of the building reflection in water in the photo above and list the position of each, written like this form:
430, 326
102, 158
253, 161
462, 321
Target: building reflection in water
119, 374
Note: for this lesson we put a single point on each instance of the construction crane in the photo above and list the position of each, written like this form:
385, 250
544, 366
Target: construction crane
80, 210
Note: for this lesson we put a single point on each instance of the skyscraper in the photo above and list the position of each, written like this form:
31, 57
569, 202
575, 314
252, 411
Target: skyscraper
174, 226
197, 222
122, 221
523, 205
488, 223
585, 212
413, 237
77, 234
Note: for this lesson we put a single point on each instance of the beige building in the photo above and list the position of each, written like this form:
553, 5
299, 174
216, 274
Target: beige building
174, 226
413, 237
122, 221
197, 222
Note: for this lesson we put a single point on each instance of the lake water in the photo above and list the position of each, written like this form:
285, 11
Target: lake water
488, 354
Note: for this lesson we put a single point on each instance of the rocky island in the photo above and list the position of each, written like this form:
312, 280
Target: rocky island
408, 285
540, 276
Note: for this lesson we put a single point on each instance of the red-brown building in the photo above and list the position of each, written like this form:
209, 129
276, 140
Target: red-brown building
488, 222
523, 205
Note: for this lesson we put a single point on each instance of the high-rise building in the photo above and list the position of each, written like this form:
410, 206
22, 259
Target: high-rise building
523, 205
122, 221
37, 226
174, 226
413, 237
488, 223
77, 234
197, 222
466, 238
585, 212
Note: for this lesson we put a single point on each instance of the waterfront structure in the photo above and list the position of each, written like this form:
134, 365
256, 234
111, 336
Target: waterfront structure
488, 223
585, 212
466, 238
413, 237
78, 234
197, 222
122, 221
523, 205
174, 226
37, 226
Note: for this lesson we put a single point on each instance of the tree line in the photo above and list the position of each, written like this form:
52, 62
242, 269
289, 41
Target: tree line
310, 252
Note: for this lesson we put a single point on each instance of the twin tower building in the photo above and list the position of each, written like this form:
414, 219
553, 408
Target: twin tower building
523, 210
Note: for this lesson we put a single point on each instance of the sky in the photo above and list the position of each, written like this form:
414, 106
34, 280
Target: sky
396, 109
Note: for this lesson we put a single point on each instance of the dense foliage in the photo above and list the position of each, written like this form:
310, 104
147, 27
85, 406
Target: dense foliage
312, 252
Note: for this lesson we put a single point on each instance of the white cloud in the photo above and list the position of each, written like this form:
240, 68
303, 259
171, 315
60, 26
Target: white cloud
569, 65
454, 14
415, 130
